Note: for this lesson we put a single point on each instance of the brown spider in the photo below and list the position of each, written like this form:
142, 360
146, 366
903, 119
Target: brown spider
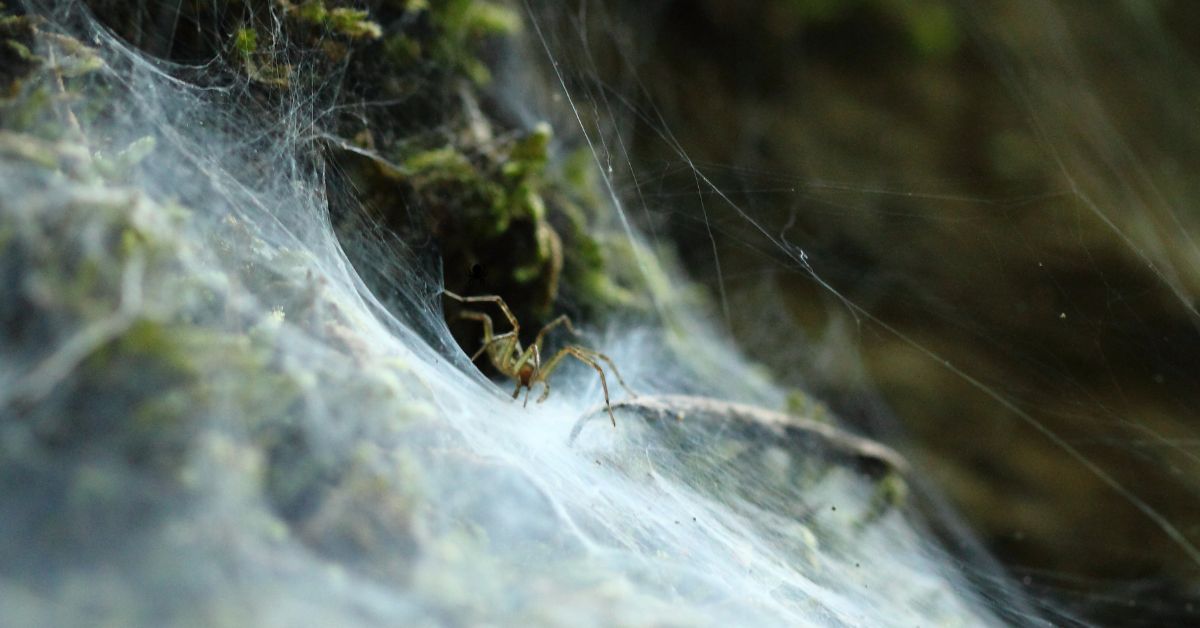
525, 365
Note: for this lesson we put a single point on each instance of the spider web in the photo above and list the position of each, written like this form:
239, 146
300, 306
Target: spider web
992, 244
229, 397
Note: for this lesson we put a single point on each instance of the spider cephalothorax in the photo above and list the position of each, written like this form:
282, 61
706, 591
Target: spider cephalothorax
525, 365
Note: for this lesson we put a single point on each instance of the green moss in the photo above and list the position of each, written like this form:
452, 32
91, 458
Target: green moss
608, 275
29, 149
23, 53
264, 66
464, 25
17, 59
72, 58
119, 166
456, 187
245, 42
352, 23
441, 163
365, 510
528, 155
508, 218
487, 196
804, 405
891, 492
507, 209
402, 51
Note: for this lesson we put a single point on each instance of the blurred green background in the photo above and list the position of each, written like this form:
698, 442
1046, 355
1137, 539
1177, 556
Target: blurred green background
1010, 186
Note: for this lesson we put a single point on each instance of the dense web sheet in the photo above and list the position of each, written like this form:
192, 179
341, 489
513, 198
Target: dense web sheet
219, 408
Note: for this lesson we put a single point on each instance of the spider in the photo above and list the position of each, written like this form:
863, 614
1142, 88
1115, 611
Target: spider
525, 365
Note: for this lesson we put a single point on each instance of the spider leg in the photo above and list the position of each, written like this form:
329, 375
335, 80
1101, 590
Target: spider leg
510, 357
537, 373
529, 356
502, 338
561, 320
611, 366
516, 327
581, 354
506, 341
482, 318
488, 337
